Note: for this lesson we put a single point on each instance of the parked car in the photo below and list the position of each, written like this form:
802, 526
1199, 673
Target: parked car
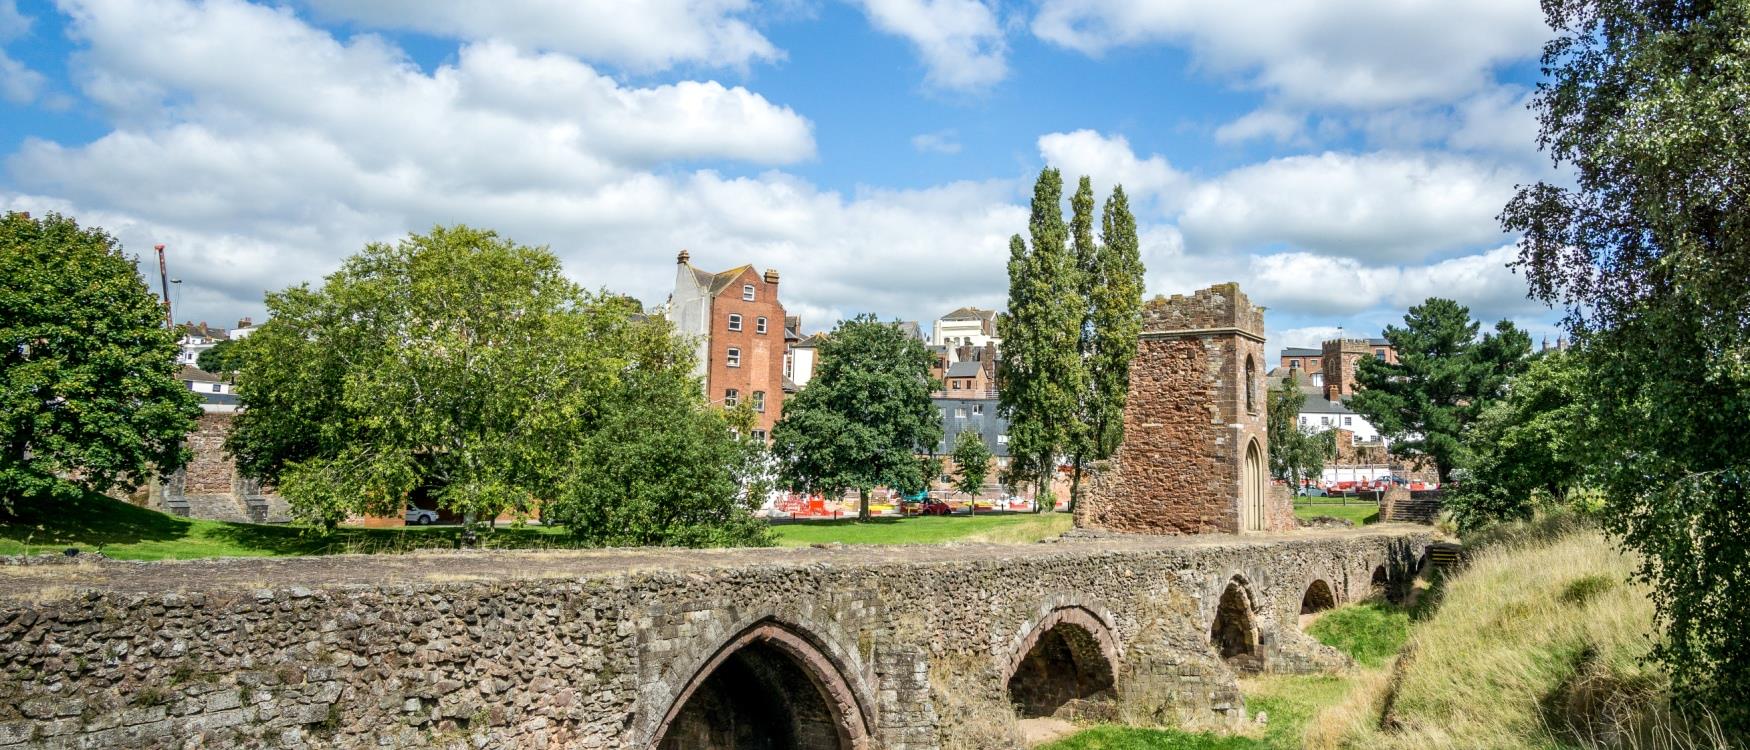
1314, 492
934, 507
420, 516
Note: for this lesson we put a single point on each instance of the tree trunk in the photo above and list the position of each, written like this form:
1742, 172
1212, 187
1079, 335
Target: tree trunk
1075, 483
862, 503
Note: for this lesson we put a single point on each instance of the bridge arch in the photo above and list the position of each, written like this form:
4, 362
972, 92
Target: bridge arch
1236, 629
1067, 654
772, 685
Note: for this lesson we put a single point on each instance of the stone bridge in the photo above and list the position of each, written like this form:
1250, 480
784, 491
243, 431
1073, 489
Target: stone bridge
871, 647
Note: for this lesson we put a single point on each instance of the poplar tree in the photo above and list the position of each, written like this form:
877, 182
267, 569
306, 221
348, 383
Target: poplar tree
1039, 375
1112, 301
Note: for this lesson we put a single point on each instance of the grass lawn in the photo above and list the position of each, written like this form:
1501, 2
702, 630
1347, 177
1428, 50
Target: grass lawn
1018, 528
1370, 632
1361, 512
1288, 702
129, 532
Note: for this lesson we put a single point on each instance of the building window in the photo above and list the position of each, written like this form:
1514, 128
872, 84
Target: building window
789, 365
734, 357
1379, 354
959, 412
1348, 421
215, 387
1325, 421
747, 292
759, 324
1251, 385
1002, 440
1303, 420
1294, 364
759, 435
759, 401
978, 408
731, 397
734, 322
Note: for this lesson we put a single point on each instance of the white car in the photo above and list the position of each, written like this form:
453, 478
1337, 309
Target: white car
420, 516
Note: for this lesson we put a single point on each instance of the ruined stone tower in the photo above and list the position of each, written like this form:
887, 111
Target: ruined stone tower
1194, 458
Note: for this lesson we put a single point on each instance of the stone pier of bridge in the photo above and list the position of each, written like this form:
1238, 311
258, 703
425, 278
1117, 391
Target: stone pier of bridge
896, 648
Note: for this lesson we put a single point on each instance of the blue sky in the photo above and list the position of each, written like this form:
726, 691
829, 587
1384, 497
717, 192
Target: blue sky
1341, 159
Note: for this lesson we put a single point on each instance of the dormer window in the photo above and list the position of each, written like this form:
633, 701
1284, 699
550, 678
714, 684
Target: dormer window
759, 324
747, 292
734, 322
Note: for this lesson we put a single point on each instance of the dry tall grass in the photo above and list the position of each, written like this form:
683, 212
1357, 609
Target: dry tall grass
1540, 642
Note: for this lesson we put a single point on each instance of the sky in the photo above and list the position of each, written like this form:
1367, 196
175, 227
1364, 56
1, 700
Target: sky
1340, 159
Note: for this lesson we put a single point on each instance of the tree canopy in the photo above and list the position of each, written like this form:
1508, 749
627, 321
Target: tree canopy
88, 392
1529, 447
865, 417
222, 358
1445, 375
1648, 252
971, 463
1295, 453
469, 367
1111, 287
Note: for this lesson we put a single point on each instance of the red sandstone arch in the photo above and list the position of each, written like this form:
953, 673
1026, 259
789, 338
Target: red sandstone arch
1319, 597
1078, 631
825, 675
1235, 631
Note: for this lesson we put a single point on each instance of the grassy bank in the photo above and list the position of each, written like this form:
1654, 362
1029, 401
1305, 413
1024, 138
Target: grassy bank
1359, 512
1017, 528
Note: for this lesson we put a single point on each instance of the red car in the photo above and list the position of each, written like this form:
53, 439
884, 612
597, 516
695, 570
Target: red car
930, 507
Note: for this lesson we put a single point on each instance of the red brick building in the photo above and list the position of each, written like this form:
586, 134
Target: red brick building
738, 328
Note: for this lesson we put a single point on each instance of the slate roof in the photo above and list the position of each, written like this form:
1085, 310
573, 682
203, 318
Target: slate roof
1297, 351
190, 372
810, 342
715, 283
971, 313
964, 369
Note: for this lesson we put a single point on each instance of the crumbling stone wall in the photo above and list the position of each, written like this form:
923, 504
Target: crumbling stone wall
210, 487
603, 650
1196, 408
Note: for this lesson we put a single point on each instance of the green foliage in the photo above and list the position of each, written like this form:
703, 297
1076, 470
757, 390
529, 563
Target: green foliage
1443, 378
863, 418
1527, 447
468, 367
1111, 290
1369, 632
223, 358
971, 462
88, 392
1295, 454
660, 468
1039, 374
1649, 252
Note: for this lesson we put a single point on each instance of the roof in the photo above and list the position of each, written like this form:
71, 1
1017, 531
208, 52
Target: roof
809, 342
715, 283
910, 328
1317, 404
190, 372
964, 369
971, 313
1298, 351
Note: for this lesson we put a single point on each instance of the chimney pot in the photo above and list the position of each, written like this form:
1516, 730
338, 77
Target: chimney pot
681, 259
771, 276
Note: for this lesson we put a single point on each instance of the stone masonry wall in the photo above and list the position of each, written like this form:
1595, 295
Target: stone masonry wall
508, 650
1196, 406
210, 487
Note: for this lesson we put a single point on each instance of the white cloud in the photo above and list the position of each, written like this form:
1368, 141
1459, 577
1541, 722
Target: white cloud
1350, 53
1109, 160
939, 142
18, 83
1280, 127
645, 35
960, 40
1336, 287
1376, 206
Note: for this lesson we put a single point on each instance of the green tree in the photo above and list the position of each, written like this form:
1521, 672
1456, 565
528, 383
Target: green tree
865, 417
221, 359
971, 464
1112, 286
1039, 373
1648, 250
1295, 454
1443, 378
1527, 447
456, 361
661, 467
89, 398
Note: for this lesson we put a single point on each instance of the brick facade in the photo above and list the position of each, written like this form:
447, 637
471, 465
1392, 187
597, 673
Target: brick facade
1195, 456
760, 356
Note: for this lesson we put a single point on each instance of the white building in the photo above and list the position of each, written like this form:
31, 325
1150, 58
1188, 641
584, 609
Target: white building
803, 355
1319, 414
967, 325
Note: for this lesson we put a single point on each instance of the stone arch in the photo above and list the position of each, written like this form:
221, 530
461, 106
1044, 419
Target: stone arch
1252, 488
1235, 631
1319, 596
1382, 585
771, 686
1070, 654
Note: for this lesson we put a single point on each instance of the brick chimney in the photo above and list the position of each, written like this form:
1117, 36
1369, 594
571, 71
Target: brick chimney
1333, 391
771, 276
682, 259
245, 323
